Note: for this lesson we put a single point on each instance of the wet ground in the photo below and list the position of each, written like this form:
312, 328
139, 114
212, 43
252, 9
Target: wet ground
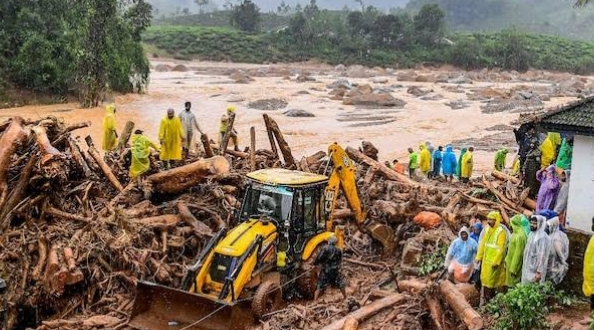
391, 130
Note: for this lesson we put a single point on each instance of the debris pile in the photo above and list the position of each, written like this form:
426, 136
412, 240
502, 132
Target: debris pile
77, 236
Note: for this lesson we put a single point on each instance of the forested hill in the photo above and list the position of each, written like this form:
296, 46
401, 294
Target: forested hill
558, 17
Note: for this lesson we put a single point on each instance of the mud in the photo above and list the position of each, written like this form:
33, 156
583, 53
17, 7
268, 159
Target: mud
416, 122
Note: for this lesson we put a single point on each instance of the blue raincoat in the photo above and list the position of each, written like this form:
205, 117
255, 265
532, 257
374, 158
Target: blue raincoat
437, 157
449, 162
474, 235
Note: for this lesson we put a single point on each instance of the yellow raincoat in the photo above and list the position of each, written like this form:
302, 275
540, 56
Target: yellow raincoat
425, 159
110, 139
491, 253
548, 148
467, 165
588, 286
170, 136
140, 155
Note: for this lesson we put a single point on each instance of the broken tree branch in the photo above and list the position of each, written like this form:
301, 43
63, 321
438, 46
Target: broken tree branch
106, 170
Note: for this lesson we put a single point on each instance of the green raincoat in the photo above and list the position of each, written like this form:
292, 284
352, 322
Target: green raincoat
500, 156
515, 252
140, 155
491, 253
565, 154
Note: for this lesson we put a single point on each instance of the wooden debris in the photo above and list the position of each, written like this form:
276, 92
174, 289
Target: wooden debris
106, 170
460, 306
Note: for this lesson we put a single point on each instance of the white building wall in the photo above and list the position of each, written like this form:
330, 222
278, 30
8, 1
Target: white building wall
580, 205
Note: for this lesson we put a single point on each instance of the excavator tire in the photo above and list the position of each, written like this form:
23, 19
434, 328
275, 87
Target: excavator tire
268, 298
308, 280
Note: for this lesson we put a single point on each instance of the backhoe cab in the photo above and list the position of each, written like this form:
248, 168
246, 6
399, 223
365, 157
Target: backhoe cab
285, 219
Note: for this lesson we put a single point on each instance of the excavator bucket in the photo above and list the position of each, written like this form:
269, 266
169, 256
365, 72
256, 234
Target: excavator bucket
158, 307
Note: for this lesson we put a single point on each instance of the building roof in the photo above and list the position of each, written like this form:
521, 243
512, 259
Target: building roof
577, 117
279, 176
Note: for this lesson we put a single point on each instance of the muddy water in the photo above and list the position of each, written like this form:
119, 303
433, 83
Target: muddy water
392, 131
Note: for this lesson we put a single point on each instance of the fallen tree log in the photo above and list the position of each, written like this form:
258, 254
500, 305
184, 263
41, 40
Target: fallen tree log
44, 143
206, 144
104, 167
13, 137
272, 126
17, 194
200, 228
239, 154
227, 135
460, 306
78, 157
42, 251
388, 173
368, 310
350, 324
252, 148
270, 136
185, 177
125, 136
527, 202
161, 222
412, 285
435, 311
65, 215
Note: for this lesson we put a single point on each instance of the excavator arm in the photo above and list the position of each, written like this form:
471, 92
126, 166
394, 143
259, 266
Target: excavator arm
344, 177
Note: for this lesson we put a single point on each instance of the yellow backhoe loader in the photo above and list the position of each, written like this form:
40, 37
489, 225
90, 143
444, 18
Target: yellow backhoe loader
245, 272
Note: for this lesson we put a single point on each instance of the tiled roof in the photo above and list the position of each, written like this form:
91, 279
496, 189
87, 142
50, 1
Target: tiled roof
577, 116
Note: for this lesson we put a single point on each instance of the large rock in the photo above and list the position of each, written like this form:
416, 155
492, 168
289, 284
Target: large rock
460, 80
298, 113
369, 150
340, 83
357, 71
407, 76
572, 84
305, 77
381, 99
180, 68
240, 77
360, 90
416, 91
162, 68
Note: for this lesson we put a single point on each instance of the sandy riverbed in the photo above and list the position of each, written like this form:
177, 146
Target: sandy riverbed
392, 131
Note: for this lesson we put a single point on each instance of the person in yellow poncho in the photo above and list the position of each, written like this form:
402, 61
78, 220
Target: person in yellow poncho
140, 155
110, 136
424, 160
588, 285
467, 165
491, 254
548, 148
225, 124
170, 136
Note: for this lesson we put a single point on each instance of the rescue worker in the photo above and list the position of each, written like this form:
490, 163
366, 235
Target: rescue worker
437, 159
565, 154
330, 259
459, 167
588, 285
110, 136
431, 149
424, 160
467, 165
536, 253
140, 155
548, 149
171, 136
460, 257
477, 228
225, 124
549, 188
557, 265
413, 162
491, 254
515, 252
500, 158
188, 121
397, 166
449, 163
531, 166
561, 203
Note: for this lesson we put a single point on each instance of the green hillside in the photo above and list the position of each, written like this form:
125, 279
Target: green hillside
270, 21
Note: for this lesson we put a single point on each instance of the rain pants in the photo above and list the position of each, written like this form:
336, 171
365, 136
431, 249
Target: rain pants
109, 129
536, 253
588, 285
459, 165
449, 163
549, 188
425, 159
467, 165
565, 155
140, 155
171, 135
475, 236
460, 257
558, 266
491, 253
500, 156
515, 252
548, 148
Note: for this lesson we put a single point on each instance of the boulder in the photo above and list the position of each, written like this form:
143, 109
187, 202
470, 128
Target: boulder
180, 68
460, 80
423, 78
240, 77
235, 99
416, 91
360, 90
432, 97
340, 92
407, 76
305, 77
457, 104
369, 150
162, 68
571, 84
380, 81
298, 113
380, 99
340, 68
357, 71
341, 83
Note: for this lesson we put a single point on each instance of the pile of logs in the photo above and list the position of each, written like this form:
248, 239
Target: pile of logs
76, 234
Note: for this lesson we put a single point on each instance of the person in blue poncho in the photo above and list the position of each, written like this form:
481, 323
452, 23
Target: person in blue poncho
460, 258
437, 160
449, 163
477, 228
